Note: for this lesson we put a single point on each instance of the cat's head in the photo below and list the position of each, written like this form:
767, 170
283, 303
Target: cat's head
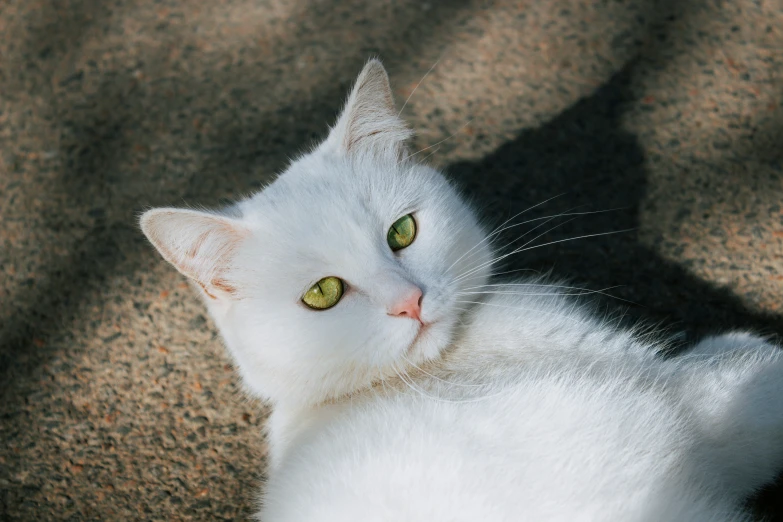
345, 269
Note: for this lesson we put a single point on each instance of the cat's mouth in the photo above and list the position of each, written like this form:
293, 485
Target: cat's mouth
423, 330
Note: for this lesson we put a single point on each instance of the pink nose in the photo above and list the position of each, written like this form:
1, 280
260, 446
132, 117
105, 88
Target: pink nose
409, 307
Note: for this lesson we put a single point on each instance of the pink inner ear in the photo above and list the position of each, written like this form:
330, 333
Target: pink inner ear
369, 123
224, 285
204, 288
221, 244
220, 284
193, 250
200, 245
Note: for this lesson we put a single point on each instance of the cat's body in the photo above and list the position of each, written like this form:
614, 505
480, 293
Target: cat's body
528, 419
415, 390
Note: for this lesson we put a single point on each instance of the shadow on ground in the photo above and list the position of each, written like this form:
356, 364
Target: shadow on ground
584, 161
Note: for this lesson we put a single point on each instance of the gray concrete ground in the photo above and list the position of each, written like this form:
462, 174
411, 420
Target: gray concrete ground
118, 402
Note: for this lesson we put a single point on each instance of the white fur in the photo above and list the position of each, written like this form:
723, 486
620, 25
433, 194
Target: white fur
515, 404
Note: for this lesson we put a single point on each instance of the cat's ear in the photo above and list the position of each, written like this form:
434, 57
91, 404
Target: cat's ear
200, 245
370, 124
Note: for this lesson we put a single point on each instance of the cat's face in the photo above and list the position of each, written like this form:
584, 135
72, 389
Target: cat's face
344, 270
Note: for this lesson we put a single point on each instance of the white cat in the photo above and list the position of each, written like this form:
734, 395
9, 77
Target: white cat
353, 293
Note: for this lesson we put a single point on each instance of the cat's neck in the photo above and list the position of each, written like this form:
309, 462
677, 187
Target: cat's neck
290, 418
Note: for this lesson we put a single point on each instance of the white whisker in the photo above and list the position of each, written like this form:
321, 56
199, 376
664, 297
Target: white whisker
579, 237
523, 249
417, 86
580, 290
561, 316
497, 232
436, 149
441, 141
438, 378
495, 274
567, 213
518, 249
441, 399
500, 228
525, 294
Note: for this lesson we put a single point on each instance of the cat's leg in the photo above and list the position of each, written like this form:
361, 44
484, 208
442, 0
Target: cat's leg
732, 388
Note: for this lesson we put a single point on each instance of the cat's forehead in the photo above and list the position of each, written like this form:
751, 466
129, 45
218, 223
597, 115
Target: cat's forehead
327, 217
320, 191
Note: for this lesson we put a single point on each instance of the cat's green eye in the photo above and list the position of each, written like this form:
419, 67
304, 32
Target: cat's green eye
324, 294
402, 233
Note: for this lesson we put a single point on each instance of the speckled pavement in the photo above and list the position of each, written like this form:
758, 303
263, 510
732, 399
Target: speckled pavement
118, 402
